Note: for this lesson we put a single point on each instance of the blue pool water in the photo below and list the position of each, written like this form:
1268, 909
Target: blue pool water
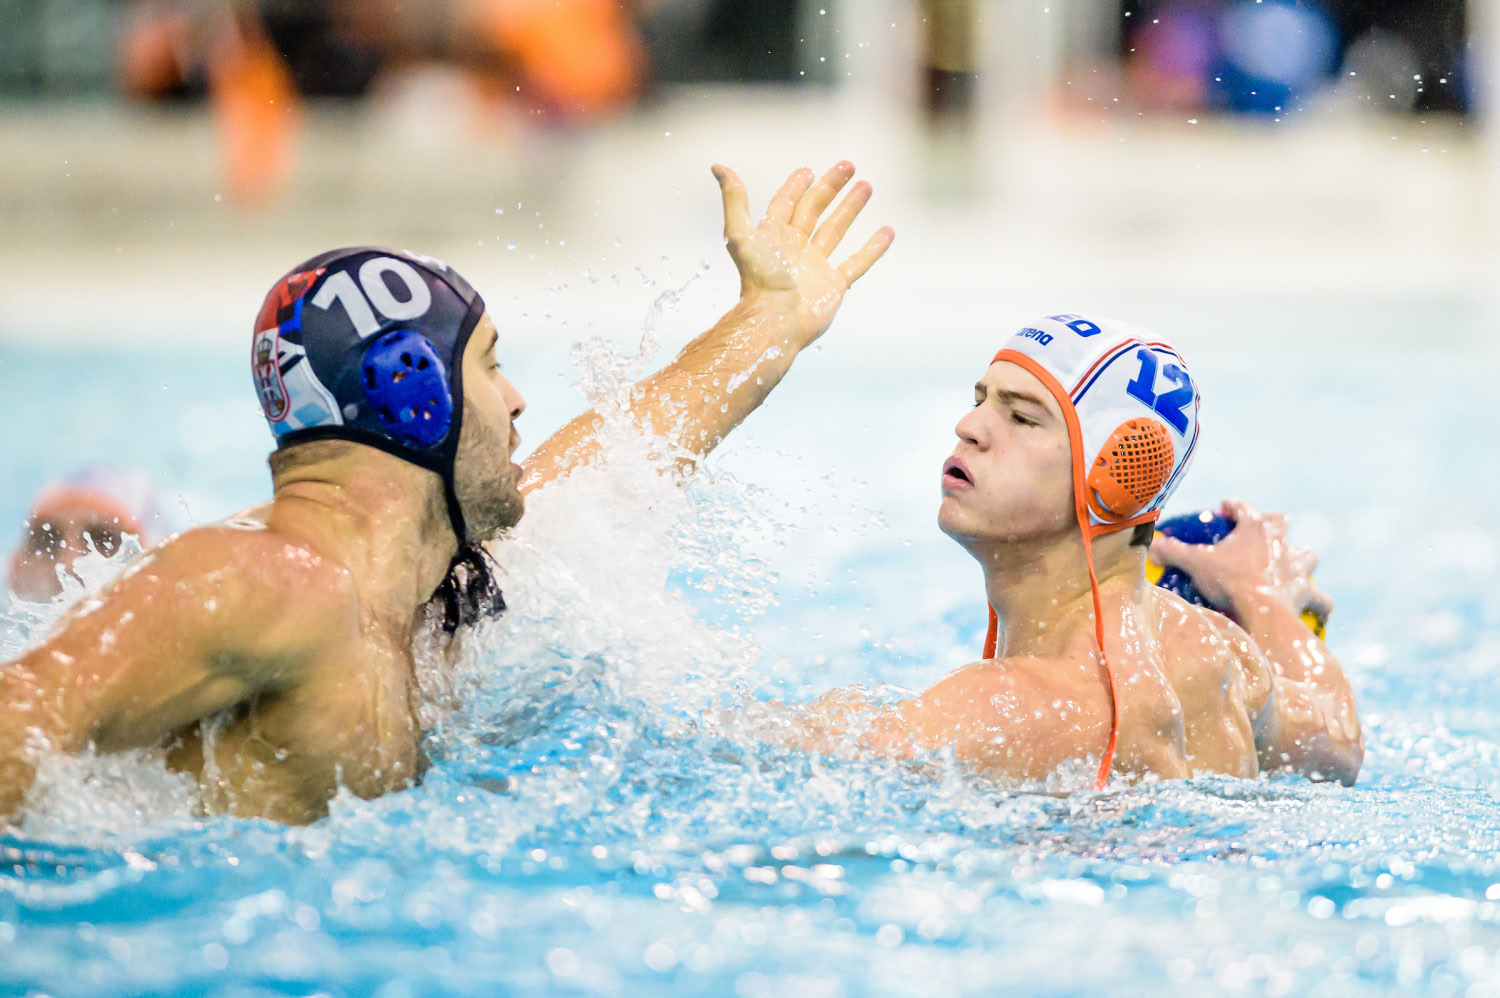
597, 821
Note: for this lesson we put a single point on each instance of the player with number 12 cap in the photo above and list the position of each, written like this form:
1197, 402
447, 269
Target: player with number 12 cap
1081, 430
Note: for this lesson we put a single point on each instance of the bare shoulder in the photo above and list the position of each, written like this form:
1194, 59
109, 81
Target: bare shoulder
1206, 637
248, 582
1019, 716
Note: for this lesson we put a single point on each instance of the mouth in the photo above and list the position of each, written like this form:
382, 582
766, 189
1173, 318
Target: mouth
956, 475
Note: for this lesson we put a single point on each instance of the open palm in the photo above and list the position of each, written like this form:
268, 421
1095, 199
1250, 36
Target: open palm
785, 257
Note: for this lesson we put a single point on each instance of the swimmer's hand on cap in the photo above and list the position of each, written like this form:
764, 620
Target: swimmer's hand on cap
784, 260
1252, 565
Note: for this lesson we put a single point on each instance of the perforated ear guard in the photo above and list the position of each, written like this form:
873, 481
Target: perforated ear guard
1130, 470
406, 383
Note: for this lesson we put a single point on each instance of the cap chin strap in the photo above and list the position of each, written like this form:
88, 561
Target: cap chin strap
1089, 531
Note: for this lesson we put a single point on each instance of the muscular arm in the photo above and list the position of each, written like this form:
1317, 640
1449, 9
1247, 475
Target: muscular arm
205, 622
1310, 725
1307, 722
789, 294
1018, 718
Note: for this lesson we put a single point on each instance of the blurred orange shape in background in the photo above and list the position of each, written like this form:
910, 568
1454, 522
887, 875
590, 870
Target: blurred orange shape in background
257, 109
576, 58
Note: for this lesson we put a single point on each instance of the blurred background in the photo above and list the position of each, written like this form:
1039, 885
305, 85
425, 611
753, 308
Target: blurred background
1181, 144
1246, 175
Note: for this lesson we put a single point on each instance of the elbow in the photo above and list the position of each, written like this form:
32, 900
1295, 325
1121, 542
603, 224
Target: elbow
1340, 763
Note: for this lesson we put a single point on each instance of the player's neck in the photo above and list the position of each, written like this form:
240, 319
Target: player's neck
382, 517
1040, 589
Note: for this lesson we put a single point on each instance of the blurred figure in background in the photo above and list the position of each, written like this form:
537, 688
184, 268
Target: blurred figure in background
94, 508
565, 60
1274, 56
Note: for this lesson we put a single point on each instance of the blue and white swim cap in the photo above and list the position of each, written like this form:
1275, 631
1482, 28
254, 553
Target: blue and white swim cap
1131, 408
367, 344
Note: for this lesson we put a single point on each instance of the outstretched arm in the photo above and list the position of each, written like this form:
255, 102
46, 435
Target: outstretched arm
987, 712
176, 638
1311, 726
789, 293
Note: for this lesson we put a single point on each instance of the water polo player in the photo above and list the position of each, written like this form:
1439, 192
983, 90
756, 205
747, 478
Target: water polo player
1081, 431
293, 623
93, 508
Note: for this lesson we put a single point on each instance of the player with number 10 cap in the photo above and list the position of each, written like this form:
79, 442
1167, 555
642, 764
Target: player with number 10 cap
294, 622
1081, 430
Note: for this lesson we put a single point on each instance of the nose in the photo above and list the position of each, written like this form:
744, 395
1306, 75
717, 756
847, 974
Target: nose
970, 429
513, 400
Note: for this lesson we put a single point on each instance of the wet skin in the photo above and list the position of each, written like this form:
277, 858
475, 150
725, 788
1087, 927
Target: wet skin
1197, 692
271, 655
281, 638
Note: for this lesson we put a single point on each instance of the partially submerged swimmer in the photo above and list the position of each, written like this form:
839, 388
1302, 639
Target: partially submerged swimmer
271, 654
1080, 432
93, 508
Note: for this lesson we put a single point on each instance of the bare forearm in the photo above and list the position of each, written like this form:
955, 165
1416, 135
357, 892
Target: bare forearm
29, 719
722, 376
1316, 727
826, 726
695, 401
1293, 650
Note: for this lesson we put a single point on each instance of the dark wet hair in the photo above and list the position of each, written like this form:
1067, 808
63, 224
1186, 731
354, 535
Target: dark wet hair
470, 593
1143, 535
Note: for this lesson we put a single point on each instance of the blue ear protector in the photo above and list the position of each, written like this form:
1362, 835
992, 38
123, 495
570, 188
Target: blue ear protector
342, 352
407, 385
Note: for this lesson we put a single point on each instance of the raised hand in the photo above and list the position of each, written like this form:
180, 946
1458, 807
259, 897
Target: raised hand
784, 261
1253, 561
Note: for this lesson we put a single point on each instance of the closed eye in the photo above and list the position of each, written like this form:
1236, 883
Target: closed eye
1023, 420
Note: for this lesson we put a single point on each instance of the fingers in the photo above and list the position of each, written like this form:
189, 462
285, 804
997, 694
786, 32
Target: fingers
785, 201
1274, 524
1239, 511
1169, 552
1304, 561
737, 221
816, 201
874, 248
832, 232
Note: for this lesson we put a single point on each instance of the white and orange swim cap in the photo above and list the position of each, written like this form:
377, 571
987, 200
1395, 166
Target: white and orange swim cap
1131, 409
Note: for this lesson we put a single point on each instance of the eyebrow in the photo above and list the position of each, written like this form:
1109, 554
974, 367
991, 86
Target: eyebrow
1009, 396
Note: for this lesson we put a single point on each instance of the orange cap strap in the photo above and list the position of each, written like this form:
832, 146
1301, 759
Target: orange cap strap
1089, 532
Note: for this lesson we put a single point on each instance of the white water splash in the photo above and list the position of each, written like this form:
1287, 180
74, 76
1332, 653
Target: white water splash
597, 578
87, 798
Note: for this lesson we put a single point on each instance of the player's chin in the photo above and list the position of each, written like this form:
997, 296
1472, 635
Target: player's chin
954, 520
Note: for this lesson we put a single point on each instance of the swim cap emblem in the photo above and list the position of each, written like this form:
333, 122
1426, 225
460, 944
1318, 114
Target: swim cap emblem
266, 360
268, 384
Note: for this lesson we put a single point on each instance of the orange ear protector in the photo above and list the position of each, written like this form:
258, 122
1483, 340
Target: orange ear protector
1131, 469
